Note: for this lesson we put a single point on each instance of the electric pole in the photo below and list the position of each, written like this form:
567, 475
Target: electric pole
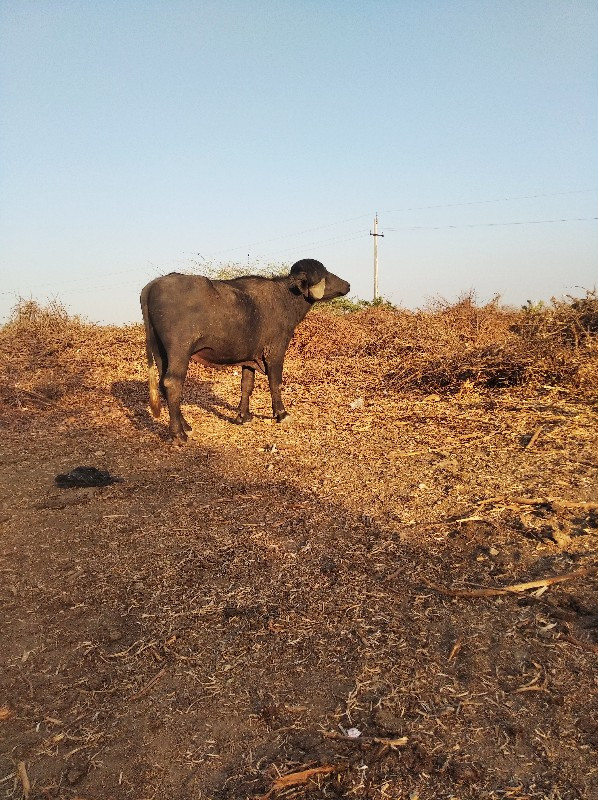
375, 234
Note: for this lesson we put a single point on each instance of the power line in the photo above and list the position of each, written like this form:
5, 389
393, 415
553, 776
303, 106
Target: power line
291, 235
84, 281
323, 242
490, 224
495, 200
83, 288
401, 210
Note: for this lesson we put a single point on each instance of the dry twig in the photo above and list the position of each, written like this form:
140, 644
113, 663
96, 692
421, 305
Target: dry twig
455, 649
22, 771
540, 501
149, 685
387, 742
298, 779
534, 437
593, 648
514, 587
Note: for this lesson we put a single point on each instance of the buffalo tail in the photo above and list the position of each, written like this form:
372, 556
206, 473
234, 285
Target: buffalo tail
150, 346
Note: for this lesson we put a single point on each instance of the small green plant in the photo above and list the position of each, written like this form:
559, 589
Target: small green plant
342, 305
350, 305
534, 308
379, 302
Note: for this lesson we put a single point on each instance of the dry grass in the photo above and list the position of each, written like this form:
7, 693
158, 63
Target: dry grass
419, 565
451, 347
447, 348
47, 355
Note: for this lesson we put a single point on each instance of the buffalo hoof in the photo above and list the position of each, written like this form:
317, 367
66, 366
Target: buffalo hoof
284, 418
178, 439
241, 419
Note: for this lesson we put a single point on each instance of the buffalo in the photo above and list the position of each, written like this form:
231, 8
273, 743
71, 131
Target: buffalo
247, 322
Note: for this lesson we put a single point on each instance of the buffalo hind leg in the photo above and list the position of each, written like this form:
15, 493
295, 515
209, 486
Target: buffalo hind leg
247, 383
173, 386
279, 412
161, 361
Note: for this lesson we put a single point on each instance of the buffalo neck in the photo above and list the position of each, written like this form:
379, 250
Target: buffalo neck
296, 304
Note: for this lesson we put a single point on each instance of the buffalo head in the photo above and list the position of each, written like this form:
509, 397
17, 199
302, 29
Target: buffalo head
313, 280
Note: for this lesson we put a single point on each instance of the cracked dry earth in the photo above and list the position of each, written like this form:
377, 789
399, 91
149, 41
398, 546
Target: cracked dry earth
214, 624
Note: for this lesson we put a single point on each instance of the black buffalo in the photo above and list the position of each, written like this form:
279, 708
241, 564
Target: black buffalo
245, 321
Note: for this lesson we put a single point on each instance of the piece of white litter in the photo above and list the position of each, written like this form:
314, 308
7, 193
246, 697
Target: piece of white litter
353, 733
357, 403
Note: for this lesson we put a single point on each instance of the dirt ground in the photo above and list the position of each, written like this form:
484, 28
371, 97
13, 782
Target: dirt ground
215, 624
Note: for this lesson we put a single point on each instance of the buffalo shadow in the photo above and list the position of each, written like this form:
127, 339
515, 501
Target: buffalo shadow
133, 396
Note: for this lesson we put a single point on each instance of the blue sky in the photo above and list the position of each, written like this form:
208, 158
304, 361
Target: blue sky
137, 135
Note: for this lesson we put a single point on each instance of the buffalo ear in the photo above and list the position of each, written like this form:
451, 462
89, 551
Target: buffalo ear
301, 282
316, 292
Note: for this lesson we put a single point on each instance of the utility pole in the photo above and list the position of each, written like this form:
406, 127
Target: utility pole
375, 234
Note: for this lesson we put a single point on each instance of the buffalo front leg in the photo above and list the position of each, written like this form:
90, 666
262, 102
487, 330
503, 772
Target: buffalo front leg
247, 383
173, 386
275, 382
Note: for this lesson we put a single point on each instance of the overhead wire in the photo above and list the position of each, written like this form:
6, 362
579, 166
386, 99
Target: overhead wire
489, 224
291, 235
324, 242
84, 282
495, 200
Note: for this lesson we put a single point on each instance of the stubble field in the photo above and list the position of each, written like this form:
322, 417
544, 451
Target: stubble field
314, 610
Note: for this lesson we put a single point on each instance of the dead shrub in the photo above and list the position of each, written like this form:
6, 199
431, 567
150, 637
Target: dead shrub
448, 345
572, 322
48, 357
492, 348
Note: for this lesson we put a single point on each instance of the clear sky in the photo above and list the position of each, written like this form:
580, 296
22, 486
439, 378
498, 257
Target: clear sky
138, 137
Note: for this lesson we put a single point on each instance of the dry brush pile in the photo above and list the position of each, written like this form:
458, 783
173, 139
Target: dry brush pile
448, 347
46, 356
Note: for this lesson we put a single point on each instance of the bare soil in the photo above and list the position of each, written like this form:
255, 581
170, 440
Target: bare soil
224, 615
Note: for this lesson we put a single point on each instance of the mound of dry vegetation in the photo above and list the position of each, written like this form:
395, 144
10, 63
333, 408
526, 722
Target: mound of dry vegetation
45, 355
48, 357
448, 347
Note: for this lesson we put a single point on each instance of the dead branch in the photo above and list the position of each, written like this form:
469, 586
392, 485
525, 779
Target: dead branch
149, 685
534, 685
400, 742
555, 503
35, 396
593, 648
564, 504
455, 649
534, 437
515, 587
534, 688
298, 779
22, 771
